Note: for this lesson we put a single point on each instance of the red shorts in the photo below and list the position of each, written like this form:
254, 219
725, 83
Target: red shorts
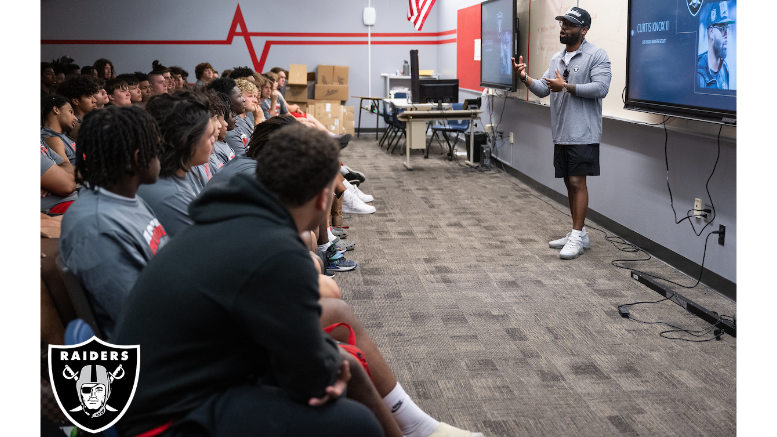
299, 114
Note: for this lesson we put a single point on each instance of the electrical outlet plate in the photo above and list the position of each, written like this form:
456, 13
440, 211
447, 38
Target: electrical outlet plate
512, 138
698, 205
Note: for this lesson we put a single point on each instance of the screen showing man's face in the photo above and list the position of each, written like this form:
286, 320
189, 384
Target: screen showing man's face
93, 395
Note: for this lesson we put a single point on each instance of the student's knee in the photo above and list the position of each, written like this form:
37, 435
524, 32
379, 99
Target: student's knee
328, 288
576, 183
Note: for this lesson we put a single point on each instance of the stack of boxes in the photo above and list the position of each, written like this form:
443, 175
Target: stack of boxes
330, 91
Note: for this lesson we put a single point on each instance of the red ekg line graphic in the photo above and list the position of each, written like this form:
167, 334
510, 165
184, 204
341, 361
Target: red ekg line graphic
258, 63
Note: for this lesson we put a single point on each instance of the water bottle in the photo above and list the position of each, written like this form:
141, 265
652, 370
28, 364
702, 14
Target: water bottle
405, 68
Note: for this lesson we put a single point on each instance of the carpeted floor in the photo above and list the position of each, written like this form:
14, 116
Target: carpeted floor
487, 329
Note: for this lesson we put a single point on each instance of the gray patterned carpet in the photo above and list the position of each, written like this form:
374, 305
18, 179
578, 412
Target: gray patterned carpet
487, 329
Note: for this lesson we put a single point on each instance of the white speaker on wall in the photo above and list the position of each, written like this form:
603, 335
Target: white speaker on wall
369, 16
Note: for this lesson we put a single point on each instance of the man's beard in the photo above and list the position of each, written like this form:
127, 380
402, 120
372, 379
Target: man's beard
571, 39
720, 49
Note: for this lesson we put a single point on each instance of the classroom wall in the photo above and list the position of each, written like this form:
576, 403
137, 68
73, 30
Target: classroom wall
186, 33
632, 188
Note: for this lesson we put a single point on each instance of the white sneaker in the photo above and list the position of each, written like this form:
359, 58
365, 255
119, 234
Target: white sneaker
353, 205
558, 244
363, 196
573, 248
445, 430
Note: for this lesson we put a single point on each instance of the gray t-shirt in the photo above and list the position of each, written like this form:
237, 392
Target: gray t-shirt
70, 145
221, 155
106, 241
169, 198
199, 176
49, 158
265, 105
237, 140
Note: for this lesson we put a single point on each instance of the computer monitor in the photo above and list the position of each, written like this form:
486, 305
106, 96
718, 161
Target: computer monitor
439, 91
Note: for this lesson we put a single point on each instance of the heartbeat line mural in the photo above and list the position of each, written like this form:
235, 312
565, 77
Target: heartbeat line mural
259, 62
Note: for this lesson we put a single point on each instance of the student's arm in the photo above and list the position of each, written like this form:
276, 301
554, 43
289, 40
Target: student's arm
58, 181
289, 108
278, 307
57, 145
274, 103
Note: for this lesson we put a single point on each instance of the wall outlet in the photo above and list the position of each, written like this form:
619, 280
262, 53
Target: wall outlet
698, 205
512, 138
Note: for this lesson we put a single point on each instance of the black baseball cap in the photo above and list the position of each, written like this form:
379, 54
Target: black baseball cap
577, 16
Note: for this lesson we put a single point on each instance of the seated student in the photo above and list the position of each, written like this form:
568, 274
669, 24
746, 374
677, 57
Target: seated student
118, 92
57, 183
242, 73
220, 115
144, 86
187, 141
177, 74
253, 114
158, 81
105, 70
48, 78
169, 83
133, 86
88, 70
109, 233
101, 97
242, 357
238, 137
204, 73
81, 93
282, 75
58, 118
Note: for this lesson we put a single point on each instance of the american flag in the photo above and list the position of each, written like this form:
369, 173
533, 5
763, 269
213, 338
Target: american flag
417, 11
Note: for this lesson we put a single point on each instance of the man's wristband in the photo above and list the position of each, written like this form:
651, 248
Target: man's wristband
524, 79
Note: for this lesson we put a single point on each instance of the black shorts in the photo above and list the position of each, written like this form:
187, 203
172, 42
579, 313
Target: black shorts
576, 160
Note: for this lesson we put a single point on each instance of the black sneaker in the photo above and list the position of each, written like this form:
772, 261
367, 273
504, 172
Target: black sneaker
344, 139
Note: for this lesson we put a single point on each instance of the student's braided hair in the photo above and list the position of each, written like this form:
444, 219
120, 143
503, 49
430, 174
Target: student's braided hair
218, 106
107, 143
182, 118
48, 103
263, 130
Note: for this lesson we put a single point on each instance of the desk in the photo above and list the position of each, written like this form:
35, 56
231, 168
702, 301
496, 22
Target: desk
403, 104
387, 78
416, 128
374, 101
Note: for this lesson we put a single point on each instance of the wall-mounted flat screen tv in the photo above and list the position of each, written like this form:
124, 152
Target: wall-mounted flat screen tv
681, 58
498, 43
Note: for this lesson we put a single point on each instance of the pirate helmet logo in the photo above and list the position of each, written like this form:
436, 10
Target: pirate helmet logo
694, 6
93, 381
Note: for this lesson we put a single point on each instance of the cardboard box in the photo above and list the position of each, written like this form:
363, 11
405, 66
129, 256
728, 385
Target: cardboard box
331, 92
348, 113
329, 113
349, 127
340, 75
297, 93
298, 74
332, 75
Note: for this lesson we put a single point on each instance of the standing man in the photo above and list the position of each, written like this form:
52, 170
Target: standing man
711, 66
575, 117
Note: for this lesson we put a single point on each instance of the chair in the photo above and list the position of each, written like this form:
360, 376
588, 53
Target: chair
79, 298
446, 127
386, 114
400, 128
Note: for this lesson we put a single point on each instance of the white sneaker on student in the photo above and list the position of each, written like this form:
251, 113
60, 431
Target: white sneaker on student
352, 204
445, 430
558, 244
573, 247
359, 193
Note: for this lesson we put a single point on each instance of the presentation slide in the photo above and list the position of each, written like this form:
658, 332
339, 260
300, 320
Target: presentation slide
683, 52
497, 42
